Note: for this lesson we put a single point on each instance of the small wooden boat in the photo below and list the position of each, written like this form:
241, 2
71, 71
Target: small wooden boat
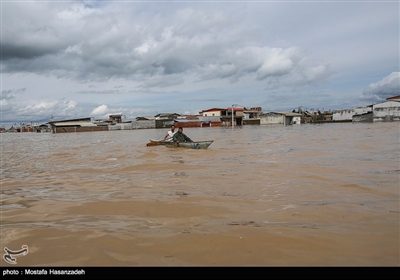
157, 142
188, 145
191, 145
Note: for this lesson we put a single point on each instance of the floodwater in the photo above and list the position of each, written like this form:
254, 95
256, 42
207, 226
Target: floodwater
301, 195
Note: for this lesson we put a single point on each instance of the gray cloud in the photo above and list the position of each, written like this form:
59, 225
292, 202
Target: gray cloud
379, 91
147, 54
109, 49
12, 93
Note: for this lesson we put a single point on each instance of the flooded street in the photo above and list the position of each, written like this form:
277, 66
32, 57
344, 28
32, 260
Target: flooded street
301, 195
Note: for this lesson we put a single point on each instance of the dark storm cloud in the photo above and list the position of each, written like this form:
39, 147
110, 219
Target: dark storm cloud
103, 46
12, 51
173, 65
162, 53
12, 93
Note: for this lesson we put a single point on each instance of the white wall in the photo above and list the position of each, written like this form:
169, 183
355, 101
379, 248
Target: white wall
347, 114
133, 125
209, 119
212, 113
275, 119
387, 111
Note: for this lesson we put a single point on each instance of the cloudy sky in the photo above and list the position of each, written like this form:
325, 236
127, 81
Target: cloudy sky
81, 59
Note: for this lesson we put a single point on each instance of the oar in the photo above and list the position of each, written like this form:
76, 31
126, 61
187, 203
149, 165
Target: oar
152, 143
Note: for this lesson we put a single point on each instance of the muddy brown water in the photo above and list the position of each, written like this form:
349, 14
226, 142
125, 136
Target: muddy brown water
302, 195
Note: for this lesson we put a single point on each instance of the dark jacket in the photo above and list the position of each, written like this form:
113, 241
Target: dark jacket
181, 137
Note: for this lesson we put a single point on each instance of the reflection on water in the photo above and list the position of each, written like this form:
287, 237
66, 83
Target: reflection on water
340, 178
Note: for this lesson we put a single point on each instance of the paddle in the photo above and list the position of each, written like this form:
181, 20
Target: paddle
152, 143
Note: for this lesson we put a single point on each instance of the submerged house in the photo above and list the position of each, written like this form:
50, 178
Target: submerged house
232, 116
187, 123
197, 121
251, 116
76, 125
344, 115
285, 118
213, 112
165, 120
388, 110
167, 116
223, 116
44, 128
366, 117
211, 117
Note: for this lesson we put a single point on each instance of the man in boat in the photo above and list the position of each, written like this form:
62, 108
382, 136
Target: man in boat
180, 136
170, 134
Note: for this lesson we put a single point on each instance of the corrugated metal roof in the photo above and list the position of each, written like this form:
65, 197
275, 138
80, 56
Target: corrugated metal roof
166, 115
289, 114
187, 121
73, 120
235, 109
210, 118
394, 98
213, 109
146, 118
74, 124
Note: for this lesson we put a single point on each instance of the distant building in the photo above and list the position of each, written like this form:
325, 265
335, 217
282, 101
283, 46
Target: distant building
116, 118
239, 115
213, 112
222, 116
169, 116
347, 114
234, 114
252, 116
388, 110
366, 117
76, 125
27, 128
148, 118
187, 123
285, 118
252, 113
44, 128
210, 121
